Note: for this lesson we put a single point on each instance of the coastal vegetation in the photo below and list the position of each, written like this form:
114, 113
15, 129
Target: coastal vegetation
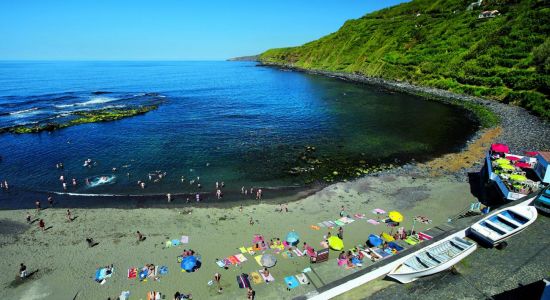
82, 117
446, 44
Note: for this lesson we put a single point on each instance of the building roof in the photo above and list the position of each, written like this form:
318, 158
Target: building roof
545, 155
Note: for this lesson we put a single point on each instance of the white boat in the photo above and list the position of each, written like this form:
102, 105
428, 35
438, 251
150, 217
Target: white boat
434, 259
504, 223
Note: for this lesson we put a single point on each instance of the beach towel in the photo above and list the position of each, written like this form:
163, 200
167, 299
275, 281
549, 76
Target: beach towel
359, 216
310, 252
175, 242
132, 273
258, 259
267, 278
342, 262
328, 224
250, 251
302, 278
163, 270
380, 252
346, 220
184, 239
314, 227
101, 274
298, 252
220, 263
143, 274
242, 281
226, 261
256, 278
243, 250
124, 295
378, 211
241, 257
233, 260
286, 244
424, 237
291, 282
339, 223
168, 244
321, 224
308, 269
373, 222
411, 240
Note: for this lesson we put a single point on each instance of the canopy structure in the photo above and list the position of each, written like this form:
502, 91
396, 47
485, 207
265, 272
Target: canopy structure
292, 237
189, 263
502, 148
335, 243
375, 240
395, 216
518, 177
268, 260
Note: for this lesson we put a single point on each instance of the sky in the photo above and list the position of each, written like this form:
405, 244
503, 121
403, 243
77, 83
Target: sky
166, 29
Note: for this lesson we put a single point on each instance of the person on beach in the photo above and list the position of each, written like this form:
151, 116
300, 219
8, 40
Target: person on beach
286, 207
251, 191
259, 194
42, 225
217, 278
241, 208
28, 218
265, 272
140, 236
251, 221
198, 197
341, 232
22, 271
242, 190
250, 294
342, 211
219, 194
37, 205
169, 197
69, 217
64, 186
50, 201
328, 235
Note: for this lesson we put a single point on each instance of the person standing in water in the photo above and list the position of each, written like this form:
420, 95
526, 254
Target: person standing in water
37, 205
50, 201
169, 197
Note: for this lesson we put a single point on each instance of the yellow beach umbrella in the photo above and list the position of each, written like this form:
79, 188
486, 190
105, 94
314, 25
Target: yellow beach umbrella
507, 167
502, 161
518, 177
335, 243
388, 238
395, 216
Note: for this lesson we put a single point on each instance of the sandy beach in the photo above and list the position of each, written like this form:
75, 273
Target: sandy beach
66, 266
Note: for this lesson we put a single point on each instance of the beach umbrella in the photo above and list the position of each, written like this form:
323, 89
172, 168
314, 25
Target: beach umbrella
375, 240
292, 237
521, 164
395, 216
387, 237
518, 177
507, 167
502, 161
268, 260
335, 243
502, 148
188, 263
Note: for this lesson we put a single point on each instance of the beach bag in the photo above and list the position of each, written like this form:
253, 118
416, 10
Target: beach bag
242, 281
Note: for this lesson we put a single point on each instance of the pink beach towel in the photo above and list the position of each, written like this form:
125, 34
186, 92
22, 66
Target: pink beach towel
373, 222
359, 216
298, 252
378, 211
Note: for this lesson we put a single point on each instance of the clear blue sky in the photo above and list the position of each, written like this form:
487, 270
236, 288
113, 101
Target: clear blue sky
166, 29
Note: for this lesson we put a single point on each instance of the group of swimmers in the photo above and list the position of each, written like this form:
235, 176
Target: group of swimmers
259, 192
4, 185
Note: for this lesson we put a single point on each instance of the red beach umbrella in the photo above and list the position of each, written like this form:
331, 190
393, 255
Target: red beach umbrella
502, 148
522, 164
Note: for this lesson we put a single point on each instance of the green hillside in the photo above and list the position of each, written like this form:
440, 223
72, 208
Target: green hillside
439, 43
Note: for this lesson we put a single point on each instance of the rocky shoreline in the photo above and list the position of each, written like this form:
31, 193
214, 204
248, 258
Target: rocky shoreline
521, 130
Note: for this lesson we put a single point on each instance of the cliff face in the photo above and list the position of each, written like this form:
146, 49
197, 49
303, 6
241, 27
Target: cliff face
503, 55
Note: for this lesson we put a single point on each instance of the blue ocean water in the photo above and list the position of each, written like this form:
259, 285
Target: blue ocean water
217, 121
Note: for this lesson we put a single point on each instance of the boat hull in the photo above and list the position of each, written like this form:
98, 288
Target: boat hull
412, 276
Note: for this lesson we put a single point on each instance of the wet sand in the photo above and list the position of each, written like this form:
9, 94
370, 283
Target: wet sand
66, 265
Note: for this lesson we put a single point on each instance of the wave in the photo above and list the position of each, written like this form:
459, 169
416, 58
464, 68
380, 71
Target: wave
24, 111
92, 101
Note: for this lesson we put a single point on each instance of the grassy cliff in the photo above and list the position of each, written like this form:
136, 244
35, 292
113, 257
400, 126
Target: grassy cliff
442, 44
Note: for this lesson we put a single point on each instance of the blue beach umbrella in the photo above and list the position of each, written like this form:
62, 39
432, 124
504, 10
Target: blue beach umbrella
292, 238
375, 240
188, 263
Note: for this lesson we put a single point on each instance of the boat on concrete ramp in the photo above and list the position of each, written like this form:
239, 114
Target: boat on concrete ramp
433, 259
502, 224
